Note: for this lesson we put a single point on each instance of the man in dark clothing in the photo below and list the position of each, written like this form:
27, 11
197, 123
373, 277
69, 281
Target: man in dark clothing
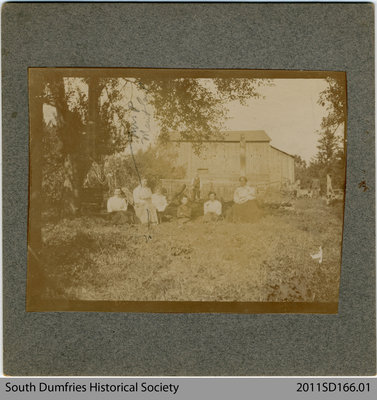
184, 211
196, 188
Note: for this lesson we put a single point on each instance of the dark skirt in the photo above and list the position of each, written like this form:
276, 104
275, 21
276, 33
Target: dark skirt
122, 217
245, 212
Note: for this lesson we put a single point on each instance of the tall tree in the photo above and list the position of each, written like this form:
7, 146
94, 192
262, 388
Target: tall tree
75, 133
333, 98
98, 116
330, 158
300, 170
328, 147
197, 108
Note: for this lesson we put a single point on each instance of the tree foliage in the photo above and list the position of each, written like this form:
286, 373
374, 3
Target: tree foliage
330, 157
300, 170
53, 171
197, 108
97, 118
121, 170
333, 98
329, 146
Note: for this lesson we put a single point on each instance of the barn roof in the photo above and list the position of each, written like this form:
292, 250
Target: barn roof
281, 151
229, 136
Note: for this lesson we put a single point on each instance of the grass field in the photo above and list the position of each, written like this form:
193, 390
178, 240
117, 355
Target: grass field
267, 261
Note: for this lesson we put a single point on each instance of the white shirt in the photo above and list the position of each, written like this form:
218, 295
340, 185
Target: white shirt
212, 206
116, 204
142, 194
244, 193
159, 201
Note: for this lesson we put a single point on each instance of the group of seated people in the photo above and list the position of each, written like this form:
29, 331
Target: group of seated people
141, 206
146, 207
212, 209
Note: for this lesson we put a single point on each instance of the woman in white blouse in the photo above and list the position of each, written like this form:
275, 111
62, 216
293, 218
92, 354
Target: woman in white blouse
245, 208
244, 192
144, 208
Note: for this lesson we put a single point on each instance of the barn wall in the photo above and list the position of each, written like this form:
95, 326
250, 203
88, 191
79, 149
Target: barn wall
257, 162
281, 168
180, 151
291, 171
216, 161
219, 165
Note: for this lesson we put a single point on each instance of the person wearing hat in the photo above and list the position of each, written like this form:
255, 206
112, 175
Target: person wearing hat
117, 206
196, 185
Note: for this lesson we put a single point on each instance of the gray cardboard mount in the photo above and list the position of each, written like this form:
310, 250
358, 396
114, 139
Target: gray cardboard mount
320, 36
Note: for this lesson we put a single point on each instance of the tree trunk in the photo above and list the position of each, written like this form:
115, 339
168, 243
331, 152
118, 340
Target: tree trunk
78, 145
80, 153
94, 92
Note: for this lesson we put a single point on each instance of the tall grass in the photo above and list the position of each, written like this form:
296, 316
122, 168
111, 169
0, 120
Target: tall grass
266, 261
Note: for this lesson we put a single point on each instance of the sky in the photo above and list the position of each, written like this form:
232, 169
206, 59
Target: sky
288, 112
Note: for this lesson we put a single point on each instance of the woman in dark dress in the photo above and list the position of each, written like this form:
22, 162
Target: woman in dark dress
245, 207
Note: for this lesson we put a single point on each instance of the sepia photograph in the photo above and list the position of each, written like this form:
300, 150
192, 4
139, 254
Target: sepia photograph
168, 190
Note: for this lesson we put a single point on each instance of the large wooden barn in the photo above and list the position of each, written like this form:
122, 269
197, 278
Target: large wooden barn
222, 160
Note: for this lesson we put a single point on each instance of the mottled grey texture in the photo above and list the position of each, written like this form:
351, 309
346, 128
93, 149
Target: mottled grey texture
261, 36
